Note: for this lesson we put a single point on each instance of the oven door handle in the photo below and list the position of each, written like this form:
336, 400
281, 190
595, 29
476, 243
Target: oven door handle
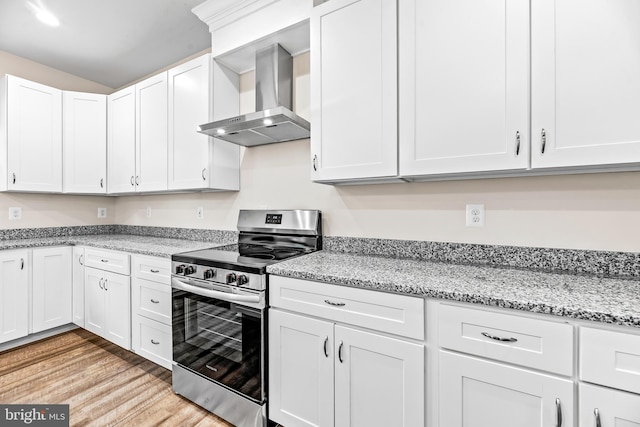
224, 296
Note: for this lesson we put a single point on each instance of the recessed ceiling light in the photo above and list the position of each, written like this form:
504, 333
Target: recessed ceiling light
44, 15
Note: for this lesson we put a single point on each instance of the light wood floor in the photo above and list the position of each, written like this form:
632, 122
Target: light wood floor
104, 384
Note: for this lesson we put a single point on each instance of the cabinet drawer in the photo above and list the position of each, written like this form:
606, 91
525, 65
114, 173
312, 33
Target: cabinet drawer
151, 268
395, 314
509, 338
610, 358
152, 340
152, 300
117, 262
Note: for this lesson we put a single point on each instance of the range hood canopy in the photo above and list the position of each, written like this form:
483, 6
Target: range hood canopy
274, 121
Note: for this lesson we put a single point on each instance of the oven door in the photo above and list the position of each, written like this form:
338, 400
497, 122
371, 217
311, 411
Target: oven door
220, 335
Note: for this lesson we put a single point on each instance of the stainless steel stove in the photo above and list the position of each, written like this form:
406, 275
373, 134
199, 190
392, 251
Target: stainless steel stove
219, 312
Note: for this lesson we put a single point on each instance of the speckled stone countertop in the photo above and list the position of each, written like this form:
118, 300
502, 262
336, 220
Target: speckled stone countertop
145, 245
587, 297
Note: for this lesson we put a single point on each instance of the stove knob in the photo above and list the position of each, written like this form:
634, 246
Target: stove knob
190, 269
242, 279
180, 269
231, 278
209, 274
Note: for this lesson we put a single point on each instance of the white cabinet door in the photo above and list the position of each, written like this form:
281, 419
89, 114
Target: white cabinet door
151, 134
300, 370
52, 288
464, 86
14, 295
379, 380
189, 106
122, 140
605, 407
94, 297
585, 86
85, 142
118, 309
77, 269
34, 136
354, 107
478, 393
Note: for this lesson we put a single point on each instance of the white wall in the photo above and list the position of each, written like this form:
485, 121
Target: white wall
590, 211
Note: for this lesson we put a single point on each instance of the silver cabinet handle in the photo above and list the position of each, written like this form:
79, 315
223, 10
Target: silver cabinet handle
131, 180
326, 352
335, 304
558, 413
137, 180
81, 259
155, 301
494, 337
340, 352
155, 271
14, 178
517, 143
104, 260
105, 285
203, 171
101, 182
315, 162
101, 284
21, 263
543, 138
596, 413
155, 342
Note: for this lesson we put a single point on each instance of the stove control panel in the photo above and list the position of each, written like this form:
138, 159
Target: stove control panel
219, 275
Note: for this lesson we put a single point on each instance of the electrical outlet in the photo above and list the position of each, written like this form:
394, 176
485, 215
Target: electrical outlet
200, 212
15, 213
475, 216
148, 212
102, 212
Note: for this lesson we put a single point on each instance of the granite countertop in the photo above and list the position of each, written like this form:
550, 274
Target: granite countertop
608, 300
145, 245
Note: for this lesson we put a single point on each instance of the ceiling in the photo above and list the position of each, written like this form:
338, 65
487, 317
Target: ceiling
111, 42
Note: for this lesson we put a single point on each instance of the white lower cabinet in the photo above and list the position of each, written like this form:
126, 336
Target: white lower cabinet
52, 288
479, 393
151, 309
108, 305
14, 295
605, 407
326, 373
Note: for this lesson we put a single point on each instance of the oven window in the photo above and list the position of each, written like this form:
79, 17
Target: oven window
220, 340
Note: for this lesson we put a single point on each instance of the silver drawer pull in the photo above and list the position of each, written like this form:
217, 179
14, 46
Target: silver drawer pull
104, 260
155, 271
155, 301
155, 342
558, 413
596, 412
335, 304
493, 337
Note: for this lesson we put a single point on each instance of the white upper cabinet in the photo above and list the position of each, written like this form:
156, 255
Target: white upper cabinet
354, 88
464, 86
84, 142
151, 134
585, 86
122, 140
197, 161
30, 136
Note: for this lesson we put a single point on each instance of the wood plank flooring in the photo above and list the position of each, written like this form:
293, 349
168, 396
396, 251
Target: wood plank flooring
104, 384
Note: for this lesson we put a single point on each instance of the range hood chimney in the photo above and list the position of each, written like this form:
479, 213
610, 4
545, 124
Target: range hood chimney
274, 121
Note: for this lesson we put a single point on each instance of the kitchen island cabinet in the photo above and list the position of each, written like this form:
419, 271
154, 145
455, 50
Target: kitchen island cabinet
14, 294
30, 136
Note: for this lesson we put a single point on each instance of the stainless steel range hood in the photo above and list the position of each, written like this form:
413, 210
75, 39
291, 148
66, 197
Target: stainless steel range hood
274, 121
